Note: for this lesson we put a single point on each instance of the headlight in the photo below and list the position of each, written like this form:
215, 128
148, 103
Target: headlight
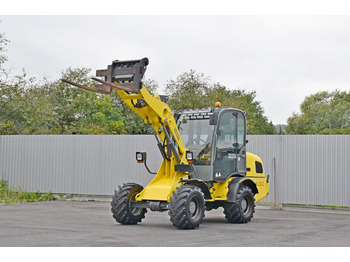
189, 156
141, 157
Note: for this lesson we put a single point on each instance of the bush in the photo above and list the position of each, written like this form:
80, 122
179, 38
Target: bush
10, 195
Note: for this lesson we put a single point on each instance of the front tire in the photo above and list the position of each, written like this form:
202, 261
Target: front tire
186, 208
122, 209
242, 210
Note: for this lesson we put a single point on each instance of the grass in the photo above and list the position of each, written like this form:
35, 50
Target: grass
9, 194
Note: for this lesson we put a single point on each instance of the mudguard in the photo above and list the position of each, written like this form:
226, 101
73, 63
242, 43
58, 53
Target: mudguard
199, 183
234, 185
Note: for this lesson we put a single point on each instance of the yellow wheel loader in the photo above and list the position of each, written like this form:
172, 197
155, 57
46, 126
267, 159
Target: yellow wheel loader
205, 163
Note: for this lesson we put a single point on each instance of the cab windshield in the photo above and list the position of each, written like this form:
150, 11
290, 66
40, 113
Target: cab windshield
197, 136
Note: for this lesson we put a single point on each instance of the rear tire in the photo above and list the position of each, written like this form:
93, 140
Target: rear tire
122, 210
242, 210
186, 207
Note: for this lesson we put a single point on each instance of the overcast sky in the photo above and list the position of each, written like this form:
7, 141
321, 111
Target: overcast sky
282, 58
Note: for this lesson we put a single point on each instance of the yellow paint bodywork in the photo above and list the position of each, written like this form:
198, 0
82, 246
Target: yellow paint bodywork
156, 113
259, 179
220, 189
163, 184
167, 180
160, 116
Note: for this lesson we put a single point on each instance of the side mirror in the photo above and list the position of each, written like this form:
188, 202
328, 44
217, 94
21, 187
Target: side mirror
213, 119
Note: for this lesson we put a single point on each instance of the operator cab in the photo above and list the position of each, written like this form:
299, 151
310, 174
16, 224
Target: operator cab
217, 139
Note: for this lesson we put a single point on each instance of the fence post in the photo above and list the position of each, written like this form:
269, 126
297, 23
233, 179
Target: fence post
275, 205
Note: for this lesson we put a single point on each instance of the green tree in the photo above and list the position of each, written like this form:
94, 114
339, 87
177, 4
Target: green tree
188, 91
257, 122
13, 103
3, 58
29, 106
82, 112
8, 128
322, 113
192, 90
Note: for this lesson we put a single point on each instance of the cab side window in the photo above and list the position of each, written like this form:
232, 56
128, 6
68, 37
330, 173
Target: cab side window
240, 130
226, 132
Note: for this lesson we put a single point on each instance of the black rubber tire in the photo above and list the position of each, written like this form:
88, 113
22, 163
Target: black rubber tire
242, 210
122, 212
186, 207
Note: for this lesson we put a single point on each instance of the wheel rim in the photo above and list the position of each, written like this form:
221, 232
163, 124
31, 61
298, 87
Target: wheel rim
246, 205
194, 208
135, 211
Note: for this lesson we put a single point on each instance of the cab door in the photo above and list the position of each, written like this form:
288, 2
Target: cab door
230, 147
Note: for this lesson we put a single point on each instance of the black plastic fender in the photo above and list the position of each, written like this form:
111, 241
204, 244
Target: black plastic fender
234, 185
199, 183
